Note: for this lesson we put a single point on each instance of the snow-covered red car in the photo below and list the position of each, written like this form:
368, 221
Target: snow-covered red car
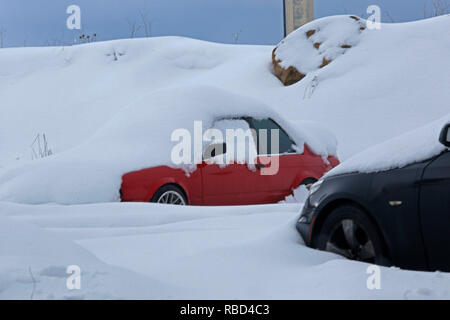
136, 152
236, 183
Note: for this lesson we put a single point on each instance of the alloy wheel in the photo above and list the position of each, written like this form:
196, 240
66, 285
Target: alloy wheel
352, 241
172, 197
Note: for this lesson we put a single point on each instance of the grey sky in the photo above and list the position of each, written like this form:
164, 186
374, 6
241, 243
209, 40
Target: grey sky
41, 22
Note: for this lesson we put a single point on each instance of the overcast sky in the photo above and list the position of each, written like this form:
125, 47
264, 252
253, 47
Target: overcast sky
41, 22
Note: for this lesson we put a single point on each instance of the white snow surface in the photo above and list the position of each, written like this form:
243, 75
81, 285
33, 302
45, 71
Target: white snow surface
151, 251
392, 81
298, 50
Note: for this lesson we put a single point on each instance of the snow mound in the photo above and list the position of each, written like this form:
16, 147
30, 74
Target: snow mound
412, 147
34, 265
138, 137
299, 195
316, 44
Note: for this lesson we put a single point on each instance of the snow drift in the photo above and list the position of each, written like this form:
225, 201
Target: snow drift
152, 251
138, 137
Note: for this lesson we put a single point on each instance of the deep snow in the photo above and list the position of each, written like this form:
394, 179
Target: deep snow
154, 251
391, 81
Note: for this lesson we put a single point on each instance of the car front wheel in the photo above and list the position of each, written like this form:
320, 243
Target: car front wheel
170, 194
349, 232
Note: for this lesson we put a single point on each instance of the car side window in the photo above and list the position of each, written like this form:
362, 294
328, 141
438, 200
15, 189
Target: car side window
235, 136
263, 128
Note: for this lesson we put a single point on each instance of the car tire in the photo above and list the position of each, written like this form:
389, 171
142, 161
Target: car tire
170, 194
349, 232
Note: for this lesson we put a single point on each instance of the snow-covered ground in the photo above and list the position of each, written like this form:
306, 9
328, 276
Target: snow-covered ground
391, 81
154, 251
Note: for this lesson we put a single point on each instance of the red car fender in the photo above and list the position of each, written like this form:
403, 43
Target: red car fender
153, 186
305, 175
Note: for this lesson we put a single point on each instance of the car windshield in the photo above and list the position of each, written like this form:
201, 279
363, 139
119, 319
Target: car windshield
267, 131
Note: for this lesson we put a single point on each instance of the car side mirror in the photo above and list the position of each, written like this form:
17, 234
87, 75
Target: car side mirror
214, 150
445, 135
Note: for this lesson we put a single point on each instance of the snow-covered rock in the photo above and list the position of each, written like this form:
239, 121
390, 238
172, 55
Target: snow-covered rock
314, 46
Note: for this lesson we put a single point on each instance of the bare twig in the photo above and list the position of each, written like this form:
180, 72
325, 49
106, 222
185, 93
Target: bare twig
389, 16
236, 36
2, 35
146, 22
133, 28
39, 150
438, 8
34, 283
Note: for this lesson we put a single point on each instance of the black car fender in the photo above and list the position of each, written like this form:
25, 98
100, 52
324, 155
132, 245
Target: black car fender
337, 194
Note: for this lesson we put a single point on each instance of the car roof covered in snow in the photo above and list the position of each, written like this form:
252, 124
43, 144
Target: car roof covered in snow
412, 147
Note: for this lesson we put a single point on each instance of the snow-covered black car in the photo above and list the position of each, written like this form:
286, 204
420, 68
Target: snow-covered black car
399, 216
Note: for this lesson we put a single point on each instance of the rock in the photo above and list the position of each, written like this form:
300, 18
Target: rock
314, 46
287, 76
310, 33
325, 62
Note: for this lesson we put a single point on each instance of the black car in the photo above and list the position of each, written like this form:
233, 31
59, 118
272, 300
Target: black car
398, 217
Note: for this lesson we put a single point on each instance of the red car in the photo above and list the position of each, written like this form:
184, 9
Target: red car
234, 184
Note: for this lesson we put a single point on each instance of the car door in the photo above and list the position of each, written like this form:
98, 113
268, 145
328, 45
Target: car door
235, 183
435, 212
280, 174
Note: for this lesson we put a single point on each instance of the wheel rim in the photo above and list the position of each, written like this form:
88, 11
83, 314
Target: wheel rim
172, 197
352, 241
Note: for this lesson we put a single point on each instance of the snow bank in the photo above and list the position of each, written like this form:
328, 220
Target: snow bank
138, 137
299, 195
415, 146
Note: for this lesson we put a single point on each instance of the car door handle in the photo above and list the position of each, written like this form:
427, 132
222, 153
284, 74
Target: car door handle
260, 166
